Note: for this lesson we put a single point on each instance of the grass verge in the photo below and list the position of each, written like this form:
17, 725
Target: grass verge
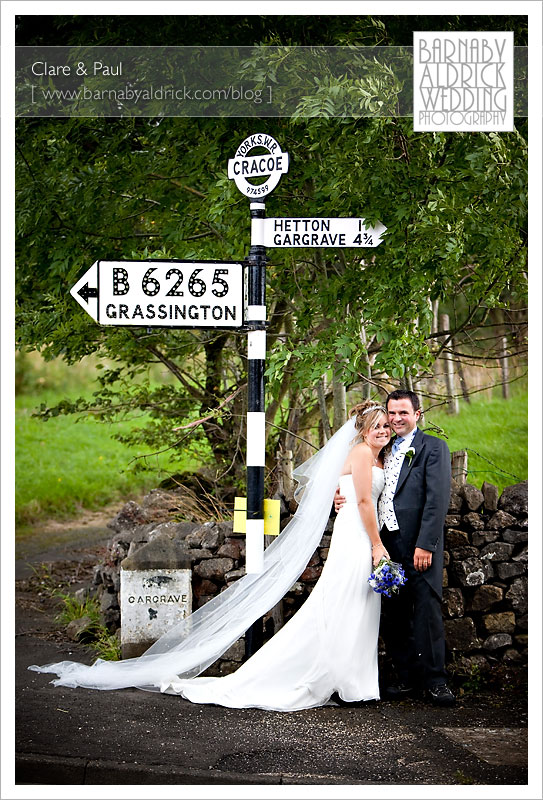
495, 435
66, 464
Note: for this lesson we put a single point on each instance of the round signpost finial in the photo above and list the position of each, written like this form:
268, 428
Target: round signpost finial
270, 165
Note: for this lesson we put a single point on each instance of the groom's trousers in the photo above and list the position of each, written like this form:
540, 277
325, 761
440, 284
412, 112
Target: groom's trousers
412, 625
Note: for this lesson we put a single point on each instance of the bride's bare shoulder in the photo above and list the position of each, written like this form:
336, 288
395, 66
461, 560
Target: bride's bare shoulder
361, 453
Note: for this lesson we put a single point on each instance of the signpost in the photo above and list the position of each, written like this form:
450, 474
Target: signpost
182, 294
210, 294
321, 232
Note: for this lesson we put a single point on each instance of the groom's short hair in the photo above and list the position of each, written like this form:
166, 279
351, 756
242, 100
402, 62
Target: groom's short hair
405, 394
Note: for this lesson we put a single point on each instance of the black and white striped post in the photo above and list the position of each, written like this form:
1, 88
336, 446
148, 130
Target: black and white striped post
270, 162
256, 424
256, 417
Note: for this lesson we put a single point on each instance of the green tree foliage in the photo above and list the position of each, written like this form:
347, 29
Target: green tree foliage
454, 206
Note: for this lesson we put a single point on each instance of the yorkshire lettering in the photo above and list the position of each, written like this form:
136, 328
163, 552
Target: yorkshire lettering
258, 140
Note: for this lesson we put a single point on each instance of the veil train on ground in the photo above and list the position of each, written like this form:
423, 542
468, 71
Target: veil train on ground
190, 646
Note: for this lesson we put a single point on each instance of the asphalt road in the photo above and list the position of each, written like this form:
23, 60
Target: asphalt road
79, 736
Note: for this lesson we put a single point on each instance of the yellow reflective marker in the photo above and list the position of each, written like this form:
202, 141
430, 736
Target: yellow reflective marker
240, 514
272, 512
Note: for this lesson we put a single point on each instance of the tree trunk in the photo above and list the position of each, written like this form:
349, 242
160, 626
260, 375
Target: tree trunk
435, 315
293, 424
462, 377
220, 431
321, 392
285, 480
275, 404
452, 400
279, 320
503, 359
505, 369
340, 397
431, 383
366, 392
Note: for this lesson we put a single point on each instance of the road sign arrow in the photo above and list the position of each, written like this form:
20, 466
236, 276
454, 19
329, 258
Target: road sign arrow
87, 291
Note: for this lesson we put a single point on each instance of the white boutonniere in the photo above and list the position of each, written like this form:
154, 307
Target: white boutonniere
409, 454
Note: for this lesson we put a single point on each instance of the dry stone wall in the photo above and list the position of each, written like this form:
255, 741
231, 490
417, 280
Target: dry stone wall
485, 598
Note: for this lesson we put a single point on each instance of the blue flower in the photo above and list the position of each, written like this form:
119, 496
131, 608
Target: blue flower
387, 577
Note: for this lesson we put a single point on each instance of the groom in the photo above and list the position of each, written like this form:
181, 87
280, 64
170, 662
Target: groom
412, 510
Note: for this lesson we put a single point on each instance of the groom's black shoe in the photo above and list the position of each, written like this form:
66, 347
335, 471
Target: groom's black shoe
441, 695
398, 691
340, 701
335, 698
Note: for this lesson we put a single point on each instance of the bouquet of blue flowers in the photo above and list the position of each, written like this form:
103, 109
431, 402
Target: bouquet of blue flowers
387, 577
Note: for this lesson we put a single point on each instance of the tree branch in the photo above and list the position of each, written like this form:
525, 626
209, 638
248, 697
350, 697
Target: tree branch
177, 183
172, 366
213, 413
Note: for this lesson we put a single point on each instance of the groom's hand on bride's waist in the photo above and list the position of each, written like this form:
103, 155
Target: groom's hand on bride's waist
339, 500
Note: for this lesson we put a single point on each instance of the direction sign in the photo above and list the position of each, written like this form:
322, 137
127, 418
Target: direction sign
244, 167
178, 294
321, 232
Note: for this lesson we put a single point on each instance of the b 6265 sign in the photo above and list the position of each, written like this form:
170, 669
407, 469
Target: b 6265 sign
183, 294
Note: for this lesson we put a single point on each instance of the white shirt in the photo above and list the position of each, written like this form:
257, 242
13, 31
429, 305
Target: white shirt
393, 465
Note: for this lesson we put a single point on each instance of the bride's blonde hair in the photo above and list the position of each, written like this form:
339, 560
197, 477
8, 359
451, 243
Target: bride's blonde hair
367, 414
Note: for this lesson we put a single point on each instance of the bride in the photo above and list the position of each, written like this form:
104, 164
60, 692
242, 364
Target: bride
330, 645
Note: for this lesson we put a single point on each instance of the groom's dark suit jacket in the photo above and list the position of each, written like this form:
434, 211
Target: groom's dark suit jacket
421, 501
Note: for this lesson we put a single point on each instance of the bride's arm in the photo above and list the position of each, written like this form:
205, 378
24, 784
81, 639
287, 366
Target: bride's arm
361, 465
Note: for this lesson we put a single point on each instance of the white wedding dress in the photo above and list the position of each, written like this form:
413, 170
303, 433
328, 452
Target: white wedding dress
329, 645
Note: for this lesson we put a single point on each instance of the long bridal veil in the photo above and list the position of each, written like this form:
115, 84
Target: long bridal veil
191, 645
